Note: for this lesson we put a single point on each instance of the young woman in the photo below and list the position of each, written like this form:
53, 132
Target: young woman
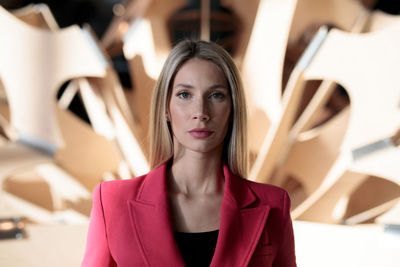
194, 208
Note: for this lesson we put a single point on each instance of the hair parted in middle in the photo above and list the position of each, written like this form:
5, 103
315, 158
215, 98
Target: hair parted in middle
235, 152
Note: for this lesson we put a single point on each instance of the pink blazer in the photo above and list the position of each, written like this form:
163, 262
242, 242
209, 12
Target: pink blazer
130, 225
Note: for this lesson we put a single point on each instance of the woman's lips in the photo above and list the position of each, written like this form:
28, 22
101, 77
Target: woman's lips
200, 133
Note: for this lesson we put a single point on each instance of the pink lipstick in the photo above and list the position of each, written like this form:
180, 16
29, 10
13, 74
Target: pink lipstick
200, 132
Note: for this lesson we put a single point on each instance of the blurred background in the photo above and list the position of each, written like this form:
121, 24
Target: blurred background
322, 87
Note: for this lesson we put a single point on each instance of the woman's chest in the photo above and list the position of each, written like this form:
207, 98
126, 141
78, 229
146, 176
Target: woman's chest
196, 213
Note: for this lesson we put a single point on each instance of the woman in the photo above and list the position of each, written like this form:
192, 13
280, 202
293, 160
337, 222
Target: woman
193, 208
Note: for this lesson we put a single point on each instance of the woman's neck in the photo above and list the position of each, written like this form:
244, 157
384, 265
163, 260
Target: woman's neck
196, 173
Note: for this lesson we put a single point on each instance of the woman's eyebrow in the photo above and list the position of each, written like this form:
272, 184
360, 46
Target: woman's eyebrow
184, 85
218, 86
212, 87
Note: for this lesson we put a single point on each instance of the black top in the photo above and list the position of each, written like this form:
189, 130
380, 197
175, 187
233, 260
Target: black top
197, 249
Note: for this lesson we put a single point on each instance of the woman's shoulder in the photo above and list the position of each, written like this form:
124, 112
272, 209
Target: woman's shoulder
265, 187
123, 183
119, 189
268, 193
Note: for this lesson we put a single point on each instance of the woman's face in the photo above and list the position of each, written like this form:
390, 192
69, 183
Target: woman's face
199, 107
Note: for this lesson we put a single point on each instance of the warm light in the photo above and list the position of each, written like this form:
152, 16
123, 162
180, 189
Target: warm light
7, 226
123, 27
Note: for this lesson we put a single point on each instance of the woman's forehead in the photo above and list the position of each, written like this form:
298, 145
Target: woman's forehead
200, 71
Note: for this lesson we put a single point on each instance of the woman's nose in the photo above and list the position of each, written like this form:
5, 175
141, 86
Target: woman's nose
201, 112
201, 117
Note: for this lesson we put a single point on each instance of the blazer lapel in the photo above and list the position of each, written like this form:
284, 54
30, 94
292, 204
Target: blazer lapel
150, 219
241, 223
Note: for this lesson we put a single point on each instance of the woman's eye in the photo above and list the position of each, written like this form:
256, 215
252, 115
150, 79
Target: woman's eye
183, 95
217, 95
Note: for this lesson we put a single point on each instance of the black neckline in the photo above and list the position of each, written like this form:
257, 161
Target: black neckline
196, 233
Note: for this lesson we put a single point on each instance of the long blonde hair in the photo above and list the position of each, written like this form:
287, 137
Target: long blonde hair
235, 152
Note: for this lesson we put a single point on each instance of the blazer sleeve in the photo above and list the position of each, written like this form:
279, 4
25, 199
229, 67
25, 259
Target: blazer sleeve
97, 252
286, 252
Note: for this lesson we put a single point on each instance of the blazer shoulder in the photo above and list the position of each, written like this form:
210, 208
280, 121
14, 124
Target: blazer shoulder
267, 193
120, 190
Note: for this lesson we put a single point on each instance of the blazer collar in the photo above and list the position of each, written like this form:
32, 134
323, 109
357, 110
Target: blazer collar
154, 190
237, 190
241, 224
